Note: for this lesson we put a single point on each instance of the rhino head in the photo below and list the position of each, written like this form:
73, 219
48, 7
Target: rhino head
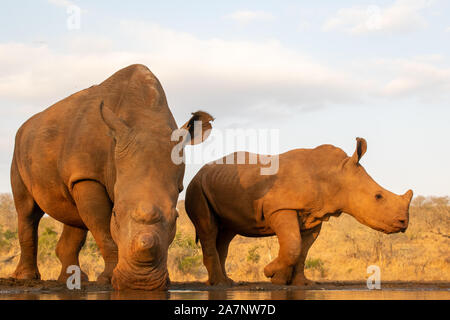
367, 201
146, 189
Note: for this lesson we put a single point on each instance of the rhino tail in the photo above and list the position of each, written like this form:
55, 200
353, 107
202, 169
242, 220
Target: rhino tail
196, 237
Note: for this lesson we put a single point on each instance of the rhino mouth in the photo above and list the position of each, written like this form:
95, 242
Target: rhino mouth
382, 226
391, 229
155, 279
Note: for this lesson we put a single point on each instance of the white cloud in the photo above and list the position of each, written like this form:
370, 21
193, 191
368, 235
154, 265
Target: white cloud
215, 74
400, 17
247, 16
221, 76
448, 29
61, 3
40, 75
417, 77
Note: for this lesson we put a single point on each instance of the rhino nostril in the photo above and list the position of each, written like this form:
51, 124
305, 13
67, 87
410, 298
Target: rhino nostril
146, 241
403, 224
145, 248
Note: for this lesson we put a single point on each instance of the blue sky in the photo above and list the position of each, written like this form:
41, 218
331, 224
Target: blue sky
321, 72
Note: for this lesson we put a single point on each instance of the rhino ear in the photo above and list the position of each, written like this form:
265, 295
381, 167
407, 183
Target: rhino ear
117, 126
199, 127
361, 148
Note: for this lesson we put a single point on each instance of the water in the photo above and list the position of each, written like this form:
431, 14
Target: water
397, 294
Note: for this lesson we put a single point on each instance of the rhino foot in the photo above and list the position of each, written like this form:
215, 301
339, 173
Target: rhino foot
26, 274
104, 278
230, 281
303, 282
280, 276
278, 273
63, 277
220, 282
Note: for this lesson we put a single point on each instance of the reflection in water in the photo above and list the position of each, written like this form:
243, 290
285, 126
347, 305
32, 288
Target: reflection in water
237, 295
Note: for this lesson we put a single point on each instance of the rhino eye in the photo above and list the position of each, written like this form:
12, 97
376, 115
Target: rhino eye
378, 196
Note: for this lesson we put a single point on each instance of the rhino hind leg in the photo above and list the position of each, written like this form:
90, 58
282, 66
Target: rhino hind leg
206, 227
308, 238
95, 209
211, 260
69, 245
29, 214
224, 238
285, 225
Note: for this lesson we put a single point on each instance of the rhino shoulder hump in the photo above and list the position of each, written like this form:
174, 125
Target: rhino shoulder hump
139, 69
331, 151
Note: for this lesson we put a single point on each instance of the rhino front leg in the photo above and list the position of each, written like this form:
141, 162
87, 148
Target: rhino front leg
285, 225
308, 238
95, 210
69, 245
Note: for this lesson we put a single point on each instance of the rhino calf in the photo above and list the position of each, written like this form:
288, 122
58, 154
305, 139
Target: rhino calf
311, 185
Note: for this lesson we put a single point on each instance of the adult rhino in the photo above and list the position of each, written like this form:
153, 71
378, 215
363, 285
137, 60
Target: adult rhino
104, 169
311, 185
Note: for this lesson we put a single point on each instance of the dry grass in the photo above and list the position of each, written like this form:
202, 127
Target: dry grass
343, 250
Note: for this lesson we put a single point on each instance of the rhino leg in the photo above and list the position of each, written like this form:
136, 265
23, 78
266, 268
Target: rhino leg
223, 242
211, 258
69, 245
308, 238
207, 231
95, 210
285, 225
29, 214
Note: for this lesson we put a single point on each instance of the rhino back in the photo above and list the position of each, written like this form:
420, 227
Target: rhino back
244, 198
302, 175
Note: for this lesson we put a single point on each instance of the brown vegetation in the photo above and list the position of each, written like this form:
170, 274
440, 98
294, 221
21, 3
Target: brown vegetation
343, 250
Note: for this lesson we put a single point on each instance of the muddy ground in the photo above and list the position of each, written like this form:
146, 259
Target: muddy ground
53, 286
